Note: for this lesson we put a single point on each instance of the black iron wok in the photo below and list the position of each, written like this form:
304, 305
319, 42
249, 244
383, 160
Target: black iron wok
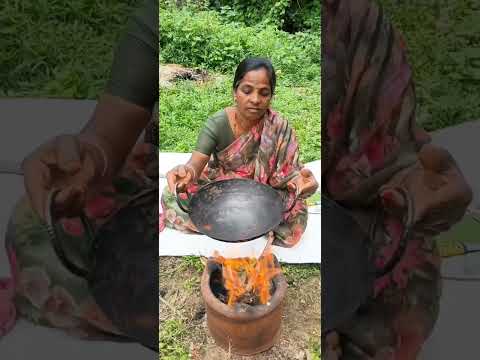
348, 273
120, 266
236, 210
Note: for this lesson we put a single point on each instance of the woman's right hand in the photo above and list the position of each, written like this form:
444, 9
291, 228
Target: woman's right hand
64, 163
181, 175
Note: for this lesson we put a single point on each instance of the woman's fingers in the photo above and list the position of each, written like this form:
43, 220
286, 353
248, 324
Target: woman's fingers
87, 172
185, 180
37, 180
63, 164
70, 201
68, 154
174, 176
172, 179
305, 172
306, 182
181, 171
71, 198
179, 175
78, 168
307, 177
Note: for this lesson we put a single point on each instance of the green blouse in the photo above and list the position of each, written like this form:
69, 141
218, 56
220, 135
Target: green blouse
216, 134
134, 72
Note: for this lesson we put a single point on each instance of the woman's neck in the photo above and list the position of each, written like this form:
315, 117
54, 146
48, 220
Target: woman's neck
245, 123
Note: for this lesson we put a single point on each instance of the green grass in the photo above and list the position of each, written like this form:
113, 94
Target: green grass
443, 43
314, 349
171, 335
192, 284
296, 273
59, 48
186, 106
193, 263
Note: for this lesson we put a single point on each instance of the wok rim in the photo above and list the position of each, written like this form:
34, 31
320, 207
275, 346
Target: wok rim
194, 206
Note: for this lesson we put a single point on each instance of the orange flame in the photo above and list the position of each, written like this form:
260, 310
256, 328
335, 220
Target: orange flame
242, 276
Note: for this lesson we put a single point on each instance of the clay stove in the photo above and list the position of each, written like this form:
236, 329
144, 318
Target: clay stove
242, 328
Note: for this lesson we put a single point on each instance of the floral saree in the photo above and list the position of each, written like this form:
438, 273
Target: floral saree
42, 289
269, 154
380, 164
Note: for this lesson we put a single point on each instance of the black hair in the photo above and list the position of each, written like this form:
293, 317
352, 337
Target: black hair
255, 63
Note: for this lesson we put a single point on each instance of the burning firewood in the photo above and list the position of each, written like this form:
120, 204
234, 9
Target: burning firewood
247, 280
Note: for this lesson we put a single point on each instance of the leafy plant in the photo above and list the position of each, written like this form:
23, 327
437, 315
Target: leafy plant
288, 15
200, 38
193, 263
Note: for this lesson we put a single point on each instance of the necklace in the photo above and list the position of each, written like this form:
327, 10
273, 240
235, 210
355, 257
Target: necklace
238, 122
240, 126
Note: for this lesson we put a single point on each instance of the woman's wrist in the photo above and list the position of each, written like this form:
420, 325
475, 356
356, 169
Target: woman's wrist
99, 155
194, 175
104, 159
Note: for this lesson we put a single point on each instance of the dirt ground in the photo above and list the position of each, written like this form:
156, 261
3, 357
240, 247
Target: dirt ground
170, 72
181, 299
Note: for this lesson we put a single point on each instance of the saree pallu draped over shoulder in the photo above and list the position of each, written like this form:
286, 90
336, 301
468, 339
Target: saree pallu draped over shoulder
380, 164
269, 154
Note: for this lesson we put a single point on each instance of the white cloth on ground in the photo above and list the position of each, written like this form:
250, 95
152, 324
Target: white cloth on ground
175, 243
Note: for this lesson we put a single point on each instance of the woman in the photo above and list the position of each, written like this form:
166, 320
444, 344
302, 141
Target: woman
380, 164
247, 140
97, 172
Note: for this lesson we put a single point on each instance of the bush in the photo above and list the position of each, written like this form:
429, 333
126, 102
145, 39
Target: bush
252, 12
303, 15
200, 38
288, 15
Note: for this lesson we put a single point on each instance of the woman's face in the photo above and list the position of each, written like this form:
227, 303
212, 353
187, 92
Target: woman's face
253, 94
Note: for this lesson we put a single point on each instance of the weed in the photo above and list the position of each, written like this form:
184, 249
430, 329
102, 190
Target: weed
192, 284
192, 263
171, 335
314, 348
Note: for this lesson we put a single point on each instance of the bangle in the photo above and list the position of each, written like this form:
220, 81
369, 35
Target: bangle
193, 169
104, 155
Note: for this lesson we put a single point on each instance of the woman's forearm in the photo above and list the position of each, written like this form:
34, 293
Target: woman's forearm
197, 161
131, 92
114, 128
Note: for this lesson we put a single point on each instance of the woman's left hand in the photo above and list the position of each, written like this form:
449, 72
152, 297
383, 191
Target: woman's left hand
305, 182
437, 188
